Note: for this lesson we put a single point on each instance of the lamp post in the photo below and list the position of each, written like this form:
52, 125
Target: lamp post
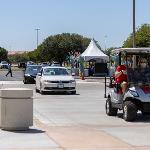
37, 36
134, 43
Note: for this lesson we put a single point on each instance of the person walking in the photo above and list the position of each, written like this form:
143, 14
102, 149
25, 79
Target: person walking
9, 70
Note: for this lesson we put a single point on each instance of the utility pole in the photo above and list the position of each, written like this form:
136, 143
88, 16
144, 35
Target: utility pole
134, 43
37, 37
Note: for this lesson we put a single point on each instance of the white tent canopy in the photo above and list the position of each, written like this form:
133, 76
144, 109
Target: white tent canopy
93, 52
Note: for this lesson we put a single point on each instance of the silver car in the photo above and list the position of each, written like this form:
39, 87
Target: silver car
4, 64
55, 79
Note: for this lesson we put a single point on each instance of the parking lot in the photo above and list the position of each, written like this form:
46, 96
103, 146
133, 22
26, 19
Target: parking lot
84, 113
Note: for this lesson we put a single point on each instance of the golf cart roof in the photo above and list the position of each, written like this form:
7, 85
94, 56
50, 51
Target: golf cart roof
132, 50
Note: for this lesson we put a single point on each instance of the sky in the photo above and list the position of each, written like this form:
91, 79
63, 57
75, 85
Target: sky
107, 21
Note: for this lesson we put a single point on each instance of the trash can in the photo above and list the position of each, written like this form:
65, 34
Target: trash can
16, 108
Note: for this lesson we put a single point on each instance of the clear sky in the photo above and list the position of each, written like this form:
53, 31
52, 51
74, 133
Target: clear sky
107, 21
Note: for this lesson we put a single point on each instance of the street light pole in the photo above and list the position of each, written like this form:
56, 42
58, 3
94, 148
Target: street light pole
134, 44
37, 37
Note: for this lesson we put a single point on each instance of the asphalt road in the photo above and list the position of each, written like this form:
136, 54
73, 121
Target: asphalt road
85, 109
17, 75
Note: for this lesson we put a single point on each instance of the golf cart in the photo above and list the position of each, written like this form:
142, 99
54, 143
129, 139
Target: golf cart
137, 95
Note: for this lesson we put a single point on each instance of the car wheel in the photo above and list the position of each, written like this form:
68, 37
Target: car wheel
129, 111
110, 111
36, 90
24, 81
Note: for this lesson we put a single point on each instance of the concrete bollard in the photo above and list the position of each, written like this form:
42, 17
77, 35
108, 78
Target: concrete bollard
16, 108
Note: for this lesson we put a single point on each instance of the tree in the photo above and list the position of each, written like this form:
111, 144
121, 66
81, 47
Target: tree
19, 57
142, 37
3, 54
61, 46
108, 51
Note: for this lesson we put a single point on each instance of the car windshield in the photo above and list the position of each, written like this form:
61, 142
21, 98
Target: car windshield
4, 62
55, 71
33, 69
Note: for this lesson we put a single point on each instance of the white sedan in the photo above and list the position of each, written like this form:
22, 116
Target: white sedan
55, 79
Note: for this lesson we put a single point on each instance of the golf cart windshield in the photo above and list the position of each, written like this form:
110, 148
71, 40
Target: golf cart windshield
137, 62
138, 72
138, 76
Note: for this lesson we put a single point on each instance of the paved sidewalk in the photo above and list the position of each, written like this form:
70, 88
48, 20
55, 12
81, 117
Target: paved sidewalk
45, 137
80, 138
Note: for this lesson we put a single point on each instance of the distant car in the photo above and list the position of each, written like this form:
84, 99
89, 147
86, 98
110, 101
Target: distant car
30, 63
55, 64
4, 64
30, 73
55, 79
45, 64
21, 65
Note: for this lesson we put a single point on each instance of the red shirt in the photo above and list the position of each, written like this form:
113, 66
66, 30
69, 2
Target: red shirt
122, 77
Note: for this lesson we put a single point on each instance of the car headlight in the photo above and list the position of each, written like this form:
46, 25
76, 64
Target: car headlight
72, 81
134, 93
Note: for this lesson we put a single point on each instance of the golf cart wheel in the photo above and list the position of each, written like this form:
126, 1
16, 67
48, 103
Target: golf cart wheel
110, 111
129, 111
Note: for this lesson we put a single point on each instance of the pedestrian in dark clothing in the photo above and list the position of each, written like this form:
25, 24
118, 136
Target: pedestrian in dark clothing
9, 70
91, 70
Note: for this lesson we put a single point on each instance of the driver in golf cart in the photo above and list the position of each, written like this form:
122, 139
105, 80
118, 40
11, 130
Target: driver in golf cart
121, 77
121, 73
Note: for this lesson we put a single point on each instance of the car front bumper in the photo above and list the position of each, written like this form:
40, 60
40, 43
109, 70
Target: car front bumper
58, 86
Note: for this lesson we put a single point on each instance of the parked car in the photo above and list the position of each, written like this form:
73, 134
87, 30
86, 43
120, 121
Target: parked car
30, 63
30, 73
55, 79
21, 65
54, 63
4, 64
45, 64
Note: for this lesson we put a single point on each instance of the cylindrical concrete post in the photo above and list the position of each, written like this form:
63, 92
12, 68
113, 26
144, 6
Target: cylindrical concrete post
16, 108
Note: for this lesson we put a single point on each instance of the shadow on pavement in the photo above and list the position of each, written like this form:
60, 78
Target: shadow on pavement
29, 131
140, 118
59, 93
